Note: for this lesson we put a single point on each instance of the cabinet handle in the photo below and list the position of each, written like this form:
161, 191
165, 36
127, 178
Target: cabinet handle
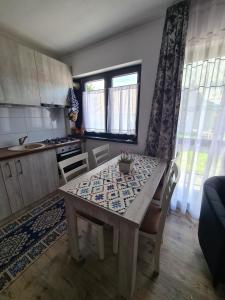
21, 169
9, 169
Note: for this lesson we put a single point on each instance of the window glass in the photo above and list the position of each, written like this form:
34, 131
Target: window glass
94, 85
94, 106
126, 79
122, 109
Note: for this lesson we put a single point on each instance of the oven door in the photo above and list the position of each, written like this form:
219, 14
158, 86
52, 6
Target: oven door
69, 154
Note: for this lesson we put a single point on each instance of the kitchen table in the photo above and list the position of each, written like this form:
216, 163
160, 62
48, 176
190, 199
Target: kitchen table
116, 199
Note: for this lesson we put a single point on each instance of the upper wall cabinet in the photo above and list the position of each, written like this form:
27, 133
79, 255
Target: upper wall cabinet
28, 77
44, 78
54, 79
18, 75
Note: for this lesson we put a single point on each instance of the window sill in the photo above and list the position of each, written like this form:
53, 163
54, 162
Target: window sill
116, 140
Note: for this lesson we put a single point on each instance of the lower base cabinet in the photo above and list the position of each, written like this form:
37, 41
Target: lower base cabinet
49, 176
29, 178
5, 209
12, 185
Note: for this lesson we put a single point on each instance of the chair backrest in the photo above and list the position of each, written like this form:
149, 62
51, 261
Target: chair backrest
171, 180
76, 165
170, 165
101, 154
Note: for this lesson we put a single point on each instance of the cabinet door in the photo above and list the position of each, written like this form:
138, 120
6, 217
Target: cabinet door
18, 74
37, 174
28, 174
69, 78
54, 79
67, 82
10, 72
60, 81
56, 73
44, 78
12, 185
28, 78
5, 209
49, 177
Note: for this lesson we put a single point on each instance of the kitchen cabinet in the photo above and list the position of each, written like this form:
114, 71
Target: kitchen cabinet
54, 79
9, 72
61, 82
40, 171
12, 185
18, 76
28, 77
30, 177
49, 176
27, 168
44, 78
5, 209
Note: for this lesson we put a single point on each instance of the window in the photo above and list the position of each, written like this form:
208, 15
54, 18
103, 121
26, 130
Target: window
200, 131
110, 104
94, 85
126, 79
94, 106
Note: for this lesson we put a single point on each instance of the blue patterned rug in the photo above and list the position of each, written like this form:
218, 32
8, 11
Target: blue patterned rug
27, 237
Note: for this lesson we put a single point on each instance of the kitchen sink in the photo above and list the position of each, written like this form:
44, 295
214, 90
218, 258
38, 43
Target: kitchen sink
26, 147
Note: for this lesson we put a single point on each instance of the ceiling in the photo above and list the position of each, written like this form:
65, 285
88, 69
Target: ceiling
62, 26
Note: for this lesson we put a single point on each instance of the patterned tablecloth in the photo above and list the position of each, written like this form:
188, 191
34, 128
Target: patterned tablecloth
114, 190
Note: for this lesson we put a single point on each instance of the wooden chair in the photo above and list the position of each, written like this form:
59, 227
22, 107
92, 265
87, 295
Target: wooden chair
101, 154
76, 165
157, 198
154, 222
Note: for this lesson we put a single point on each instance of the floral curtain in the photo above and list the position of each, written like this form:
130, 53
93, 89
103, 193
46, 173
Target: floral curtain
161, 138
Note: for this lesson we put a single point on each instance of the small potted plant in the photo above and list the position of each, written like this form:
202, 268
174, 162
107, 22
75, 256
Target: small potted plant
125, 162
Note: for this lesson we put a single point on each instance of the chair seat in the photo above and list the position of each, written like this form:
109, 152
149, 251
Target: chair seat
150, 224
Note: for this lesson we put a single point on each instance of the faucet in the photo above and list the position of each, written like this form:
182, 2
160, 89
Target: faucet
22, 140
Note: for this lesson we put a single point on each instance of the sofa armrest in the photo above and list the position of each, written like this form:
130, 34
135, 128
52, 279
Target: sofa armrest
211, 230
216, 203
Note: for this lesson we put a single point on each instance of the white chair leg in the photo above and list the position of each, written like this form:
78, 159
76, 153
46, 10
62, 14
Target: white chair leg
115, 240
101, 242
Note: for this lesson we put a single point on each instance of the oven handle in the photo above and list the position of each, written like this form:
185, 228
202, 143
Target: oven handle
70, 152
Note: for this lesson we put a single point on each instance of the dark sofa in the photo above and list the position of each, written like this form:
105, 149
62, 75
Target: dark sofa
211, 230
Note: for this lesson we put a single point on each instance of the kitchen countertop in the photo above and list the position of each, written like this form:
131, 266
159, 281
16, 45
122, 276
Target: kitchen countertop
7, 154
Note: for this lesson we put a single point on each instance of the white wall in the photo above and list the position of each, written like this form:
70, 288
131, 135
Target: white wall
36, 122
142, 43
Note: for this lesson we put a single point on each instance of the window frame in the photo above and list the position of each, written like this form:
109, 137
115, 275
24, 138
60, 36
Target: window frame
108, 76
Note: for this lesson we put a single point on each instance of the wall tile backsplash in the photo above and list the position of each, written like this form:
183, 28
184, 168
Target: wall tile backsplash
36, 122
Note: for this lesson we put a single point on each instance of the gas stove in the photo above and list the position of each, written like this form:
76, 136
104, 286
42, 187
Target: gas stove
60, 140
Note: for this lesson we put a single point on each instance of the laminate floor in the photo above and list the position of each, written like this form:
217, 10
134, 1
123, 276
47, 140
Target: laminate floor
183, 273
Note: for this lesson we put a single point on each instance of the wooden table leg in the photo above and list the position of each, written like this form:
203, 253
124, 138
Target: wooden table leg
72, 230
128, 248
